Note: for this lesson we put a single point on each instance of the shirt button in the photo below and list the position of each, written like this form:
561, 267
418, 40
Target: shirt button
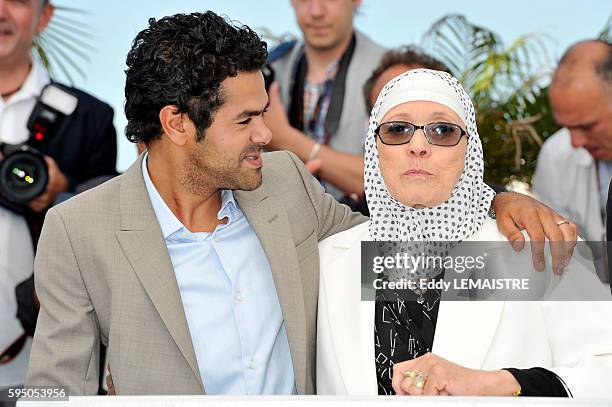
252, 365
239, 296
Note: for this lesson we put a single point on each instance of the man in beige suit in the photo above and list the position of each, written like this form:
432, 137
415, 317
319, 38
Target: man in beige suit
198, 267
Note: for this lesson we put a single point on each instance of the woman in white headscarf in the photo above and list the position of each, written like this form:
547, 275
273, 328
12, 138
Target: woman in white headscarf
424, 182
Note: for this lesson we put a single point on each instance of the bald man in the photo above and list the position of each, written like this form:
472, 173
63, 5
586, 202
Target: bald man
575, 164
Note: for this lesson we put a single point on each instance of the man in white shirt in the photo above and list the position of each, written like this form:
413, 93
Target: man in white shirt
23, 78
21, 84
575, 164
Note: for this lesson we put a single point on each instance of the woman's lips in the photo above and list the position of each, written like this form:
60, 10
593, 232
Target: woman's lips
417, 173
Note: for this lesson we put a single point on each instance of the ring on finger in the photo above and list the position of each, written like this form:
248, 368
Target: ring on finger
420, 380
410, 373
563, 222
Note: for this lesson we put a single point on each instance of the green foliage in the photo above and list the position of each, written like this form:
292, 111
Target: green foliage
506, 84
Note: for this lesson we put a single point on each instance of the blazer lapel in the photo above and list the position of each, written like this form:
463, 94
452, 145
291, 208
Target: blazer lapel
143, 244
271, 225
351, 319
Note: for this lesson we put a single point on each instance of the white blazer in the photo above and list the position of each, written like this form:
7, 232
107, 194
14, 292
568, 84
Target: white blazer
572, 339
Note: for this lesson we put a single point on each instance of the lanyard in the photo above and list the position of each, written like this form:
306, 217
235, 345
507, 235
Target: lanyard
315, 115
338, 85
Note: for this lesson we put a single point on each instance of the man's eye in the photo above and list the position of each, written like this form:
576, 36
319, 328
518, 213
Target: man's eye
245, 121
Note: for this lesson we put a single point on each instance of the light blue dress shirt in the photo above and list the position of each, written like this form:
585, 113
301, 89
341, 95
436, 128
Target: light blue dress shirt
230, 301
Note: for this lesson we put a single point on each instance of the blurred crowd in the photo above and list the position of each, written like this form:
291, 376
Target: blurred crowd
322, 88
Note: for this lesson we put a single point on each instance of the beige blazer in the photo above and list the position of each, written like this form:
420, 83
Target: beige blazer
103, 274
573, 339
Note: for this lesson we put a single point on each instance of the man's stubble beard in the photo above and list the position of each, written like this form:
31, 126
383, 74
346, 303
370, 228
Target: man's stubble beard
200, 178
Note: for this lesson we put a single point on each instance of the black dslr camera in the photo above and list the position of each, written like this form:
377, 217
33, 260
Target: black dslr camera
23, 171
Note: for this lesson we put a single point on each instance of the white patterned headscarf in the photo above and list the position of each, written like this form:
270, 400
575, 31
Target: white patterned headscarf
465, 211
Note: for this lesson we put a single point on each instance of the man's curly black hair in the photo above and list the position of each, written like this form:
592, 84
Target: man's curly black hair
181, 60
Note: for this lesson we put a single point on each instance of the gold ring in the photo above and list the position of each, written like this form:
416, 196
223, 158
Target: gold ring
410, 373
562, 222
420, 380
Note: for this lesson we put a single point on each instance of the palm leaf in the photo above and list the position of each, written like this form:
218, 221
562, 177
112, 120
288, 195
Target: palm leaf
504, 82
606, 32
64, 45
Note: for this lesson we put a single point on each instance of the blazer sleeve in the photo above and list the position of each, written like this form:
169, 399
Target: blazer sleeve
581, 345
65, 350
579, 332
332, 216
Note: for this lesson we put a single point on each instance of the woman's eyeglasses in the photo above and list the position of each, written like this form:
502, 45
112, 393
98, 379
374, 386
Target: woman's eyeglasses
438, 134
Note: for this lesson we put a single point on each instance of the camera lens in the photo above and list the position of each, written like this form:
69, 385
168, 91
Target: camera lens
23, 176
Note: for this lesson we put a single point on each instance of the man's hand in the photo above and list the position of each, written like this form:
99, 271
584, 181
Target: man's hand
285, 137
431, 375
516, 212
343, 170
57, 183
313, 165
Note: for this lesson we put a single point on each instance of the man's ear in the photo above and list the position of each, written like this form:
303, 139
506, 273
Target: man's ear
178, 127
45, 17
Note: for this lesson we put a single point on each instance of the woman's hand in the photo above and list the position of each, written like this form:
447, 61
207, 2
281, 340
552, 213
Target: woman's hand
431, 375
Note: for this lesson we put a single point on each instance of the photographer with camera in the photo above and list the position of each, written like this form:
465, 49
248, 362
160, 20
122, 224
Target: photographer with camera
53, 138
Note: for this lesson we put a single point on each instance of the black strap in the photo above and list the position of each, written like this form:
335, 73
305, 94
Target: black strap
332, 120
296, 105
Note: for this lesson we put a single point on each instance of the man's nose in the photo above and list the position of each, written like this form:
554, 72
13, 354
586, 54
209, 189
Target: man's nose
317, 8
261, 134
3, 10
578, 137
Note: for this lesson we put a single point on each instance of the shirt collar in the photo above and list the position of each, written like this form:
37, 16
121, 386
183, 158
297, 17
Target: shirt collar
229, 206
166, 219
36, 80
168, 222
